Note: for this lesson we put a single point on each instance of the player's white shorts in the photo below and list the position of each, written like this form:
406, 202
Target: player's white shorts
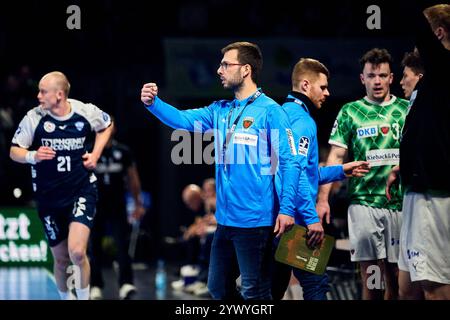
374, 233
425, 238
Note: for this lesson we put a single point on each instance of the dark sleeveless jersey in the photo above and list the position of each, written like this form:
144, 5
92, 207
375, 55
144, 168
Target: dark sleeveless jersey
56, 182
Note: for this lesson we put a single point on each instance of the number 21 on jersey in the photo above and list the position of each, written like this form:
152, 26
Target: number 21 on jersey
64, 164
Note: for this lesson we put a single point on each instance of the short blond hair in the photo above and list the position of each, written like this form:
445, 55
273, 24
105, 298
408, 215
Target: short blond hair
60, 81
438, 16
308, 68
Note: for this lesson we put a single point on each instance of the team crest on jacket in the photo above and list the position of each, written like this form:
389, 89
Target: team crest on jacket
49, 126
247, 122
79, 125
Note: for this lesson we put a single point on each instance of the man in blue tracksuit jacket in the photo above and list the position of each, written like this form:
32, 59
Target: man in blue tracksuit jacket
252, 137
310, 90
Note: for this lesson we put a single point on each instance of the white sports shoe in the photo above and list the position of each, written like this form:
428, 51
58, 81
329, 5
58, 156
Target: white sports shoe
194, 286
96, 293
202, 291
126, 291
177, 285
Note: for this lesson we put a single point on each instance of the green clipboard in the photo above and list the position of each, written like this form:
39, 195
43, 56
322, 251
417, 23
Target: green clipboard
292, 250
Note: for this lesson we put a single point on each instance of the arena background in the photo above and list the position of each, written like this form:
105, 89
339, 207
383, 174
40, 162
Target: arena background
123, 44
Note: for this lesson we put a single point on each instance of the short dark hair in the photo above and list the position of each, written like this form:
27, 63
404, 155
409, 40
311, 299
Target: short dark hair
248, 53
308, 68
376, 56
412, 60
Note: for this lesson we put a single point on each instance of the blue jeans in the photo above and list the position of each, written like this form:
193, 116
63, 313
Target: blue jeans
244, 251
315, 287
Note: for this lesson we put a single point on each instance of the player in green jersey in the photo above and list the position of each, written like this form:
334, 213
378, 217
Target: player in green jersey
369, 129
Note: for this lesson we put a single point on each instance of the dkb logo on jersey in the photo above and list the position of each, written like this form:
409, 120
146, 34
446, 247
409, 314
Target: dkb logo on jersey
367, 132
303, 146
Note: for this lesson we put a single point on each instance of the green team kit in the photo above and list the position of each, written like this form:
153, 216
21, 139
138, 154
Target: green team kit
371, 132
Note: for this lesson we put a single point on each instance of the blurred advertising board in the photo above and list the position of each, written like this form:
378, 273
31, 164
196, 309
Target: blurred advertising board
22, 238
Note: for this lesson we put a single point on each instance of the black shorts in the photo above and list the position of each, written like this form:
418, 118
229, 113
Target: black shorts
57, 220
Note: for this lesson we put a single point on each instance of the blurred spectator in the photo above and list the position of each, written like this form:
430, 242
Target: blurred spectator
17, 96
117, 173
198, 237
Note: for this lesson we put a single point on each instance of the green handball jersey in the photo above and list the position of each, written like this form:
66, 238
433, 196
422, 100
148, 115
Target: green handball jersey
371, 132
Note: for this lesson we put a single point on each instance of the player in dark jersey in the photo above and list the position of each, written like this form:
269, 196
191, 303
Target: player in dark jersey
412, 72
56, 139
424, 260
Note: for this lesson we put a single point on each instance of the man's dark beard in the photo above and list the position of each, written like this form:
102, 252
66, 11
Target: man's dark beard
237, 86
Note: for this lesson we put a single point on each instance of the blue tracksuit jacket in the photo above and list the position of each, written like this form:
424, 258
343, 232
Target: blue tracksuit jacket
305, 135
262, 141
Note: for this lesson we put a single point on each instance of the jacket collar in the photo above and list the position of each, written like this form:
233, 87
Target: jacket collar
303, 98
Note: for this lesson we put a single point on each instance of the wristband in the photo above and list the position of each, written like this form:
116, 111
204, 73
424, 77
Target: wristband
30, 157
